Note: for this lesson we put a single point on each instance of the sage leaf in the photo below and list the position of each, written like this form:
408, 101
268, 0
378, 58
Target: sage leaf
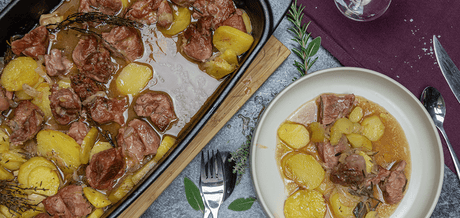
193, 195
242, 204
313, 46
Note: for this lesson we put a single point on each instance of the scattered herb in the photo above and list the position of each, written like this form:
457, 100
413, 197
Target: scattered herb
242, 204
15, 198
193, 195
240, 157
307, 50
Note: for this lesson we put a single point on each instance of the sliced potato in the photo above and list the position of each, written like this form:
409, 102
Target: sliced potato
373, 128
230, 56
227, 37
4, 142
317, 132
97, 199
61, 148
122, 190
98, 147
12, 160
44, 180
358, 141
371, 214
166, 144
369, 162
19, 71
139, 174
305, 203
340, 208
133, 78
218, 68
247, 22
294, 135
32, 212
356, 115
340, 127
28, 166
5, 174
304, 170
96, 213
87, 144
43, 102
181, 20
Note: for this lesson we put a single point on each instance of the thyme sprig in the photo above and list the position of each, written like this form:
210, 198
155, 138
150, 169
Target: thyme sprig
240, 157
307, 50
15, 198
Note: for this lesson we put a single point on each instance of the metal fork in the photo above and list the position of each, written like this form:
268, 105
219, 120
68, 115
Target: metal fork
212, 183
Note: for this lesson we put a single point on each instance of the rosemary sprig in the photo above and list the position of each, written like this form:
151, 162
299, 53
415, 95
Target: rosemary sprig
307, 50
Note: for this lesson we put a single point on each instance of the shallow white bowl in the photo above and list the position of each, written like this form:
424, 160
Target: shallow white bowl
424, 142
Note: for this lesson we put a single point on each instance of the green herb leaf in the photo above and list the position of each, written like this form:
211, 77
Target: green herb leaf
193, 195
242, 204
313, 46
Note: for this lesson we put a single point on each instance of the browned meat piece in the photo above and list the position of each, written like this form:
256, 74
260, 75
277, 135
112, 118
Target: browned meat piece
83, 86
137, 140
164, 14
351, 172
104, 168
334, 107
104, 110
68, 202
32, 44
183, 3
126, 41
374, 179
393, 187
26, 122
93, 59
56, 63
219, 10
109, 7
78, 131
235, 21
144, 11
330, 154
158, 106
65, 105
197, 42
4, 99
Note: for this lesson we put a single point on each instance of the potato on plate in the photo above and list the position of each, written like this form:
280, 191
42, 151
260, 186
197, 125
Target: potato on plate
373, 128
294, 135
29, 165
122, 190
44, 180
304, 170
305, 203
182, 17
97, 199
87, 145
358, 141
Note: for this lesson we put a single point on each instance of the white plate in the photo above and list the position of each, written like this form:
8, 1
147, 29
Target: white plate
424, 142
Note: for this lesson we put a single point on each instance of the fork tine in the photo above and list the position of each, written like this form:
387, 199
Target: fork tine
219, 162
203, 168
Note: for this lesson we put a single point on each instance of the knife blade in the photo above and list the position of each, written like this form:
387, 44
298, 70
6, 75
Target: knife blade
448, 68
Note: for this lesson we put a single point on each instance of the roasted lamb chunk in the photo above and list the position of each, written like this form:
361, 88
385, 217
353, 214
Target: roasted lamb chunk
394, 185
109, 7
183, 3
158, 106
126, 41
351, 173
219, 10
65, 104
68, 202
330, 154
4, 99
235, 21
26, 122
104, 110
56, 63
144, 11
197, 42
32, 44
334, 107
93, 59
104, 168
164, 14
374, 179
83, 86
137, 140
78, 131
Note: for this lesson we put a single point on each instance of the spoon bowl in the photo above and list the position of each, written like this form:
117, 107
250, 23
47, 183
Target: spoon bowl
434, 103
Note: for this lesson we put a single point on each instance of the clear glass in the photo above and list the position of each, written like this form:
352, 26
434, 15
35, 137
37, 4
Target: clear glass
362, 10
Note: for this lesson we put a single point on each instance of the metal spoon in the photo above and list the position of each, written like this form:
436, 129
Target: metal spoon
436, 107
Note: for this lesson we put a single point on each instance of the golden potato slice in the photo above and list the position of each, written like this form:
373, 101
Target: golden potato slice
294, 135
87, 144
340, 206
181, 20
29, 165
373, 128
317, 132
98, 147
4, 142
97, 199
122, 190
5, 174
306, 204
358, 141
96, 213
19, 71
230, 56
43, 102
166, 144
369, 162
227, 37
32, 212
304, 170
61, 148
133, 78
326, 186
356, 115
139, 174
247, 22
340, 127
12, 160
6, 212
218, 68
44, 180
371, 214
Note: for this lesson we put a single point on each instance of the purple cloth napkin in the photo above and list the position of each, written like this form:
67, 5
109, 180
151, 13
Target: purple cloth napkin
398, 44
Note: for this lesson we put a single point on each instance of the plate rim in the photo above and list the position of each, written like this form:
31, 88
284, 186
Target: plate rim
253, 145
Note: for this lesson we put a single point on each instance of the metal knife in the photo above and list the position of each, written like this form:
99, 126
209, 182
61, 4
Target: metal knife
448, 68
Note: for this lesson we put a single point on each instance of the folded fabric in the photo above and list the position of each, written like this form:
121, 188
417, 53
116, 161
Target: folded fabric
399, 44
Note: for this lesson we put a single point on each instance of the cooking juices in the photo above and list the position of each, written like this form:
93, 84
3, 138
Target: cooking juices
342, 156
